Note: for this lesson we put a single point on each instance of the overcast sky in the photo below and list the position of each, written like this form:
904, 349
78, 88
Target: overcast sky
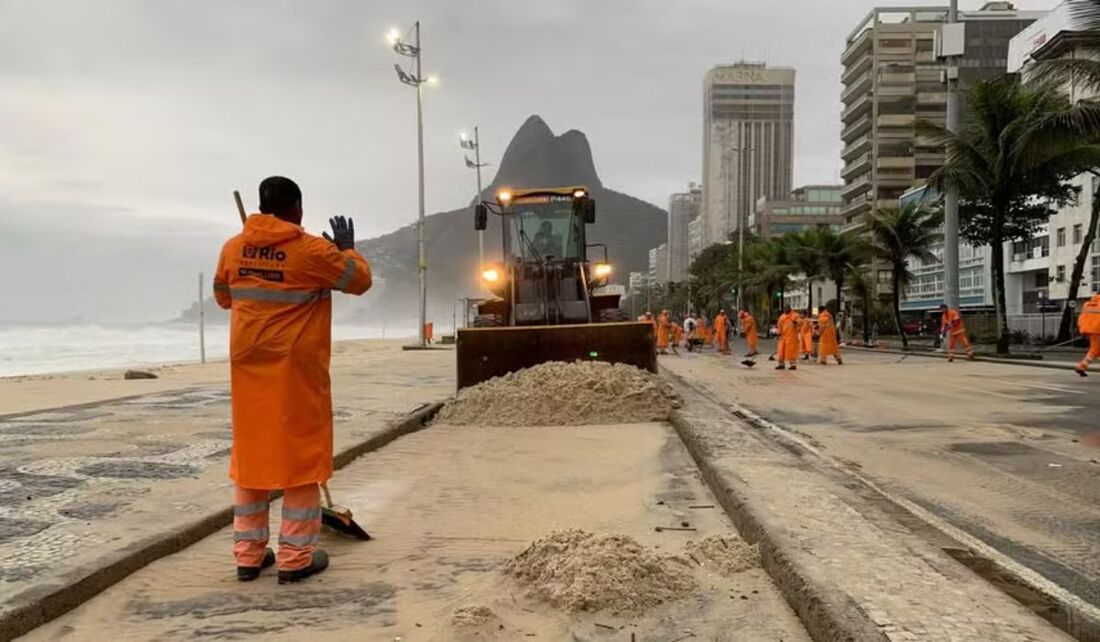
126, 124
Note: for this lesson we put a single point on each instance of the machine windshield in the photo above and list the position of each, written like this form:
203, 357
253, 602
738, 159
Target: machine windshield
545, 227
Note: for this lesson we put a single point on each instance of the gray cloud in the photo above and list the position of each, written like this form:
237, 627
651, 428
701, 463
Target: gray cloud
126, 124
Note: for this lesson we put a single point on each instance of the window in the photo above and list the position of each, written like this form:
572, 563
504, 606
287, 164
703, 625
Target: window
1042, 279
1060, 273
1061, 237
1044, 245
1078, 234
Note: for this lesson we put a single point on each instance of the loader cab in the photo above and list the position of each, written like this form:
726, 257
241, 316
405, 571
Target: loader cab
544, 226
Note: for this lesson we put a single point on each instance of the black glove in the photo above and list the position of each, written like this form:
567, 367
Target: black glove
343, 233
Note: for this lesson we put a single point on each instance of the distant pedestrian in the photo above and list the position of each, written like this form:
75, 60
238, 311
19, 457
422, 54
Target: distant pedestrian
806, 336
952, 325
827, 344
748, 330
788, 347
1088, 322
663, 332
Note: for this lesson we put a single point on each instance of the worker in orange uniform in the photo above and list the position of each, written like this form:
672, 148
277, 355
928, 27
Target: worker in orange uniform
277, 280
662, 332
789, 342
748, 330
721, 332
827, 344
806, 337
677, 333
1088, 322
952, 325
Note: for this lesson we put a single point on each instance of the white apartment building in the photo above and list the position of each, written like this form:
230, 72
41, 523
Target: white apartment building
1038, 270
683, 208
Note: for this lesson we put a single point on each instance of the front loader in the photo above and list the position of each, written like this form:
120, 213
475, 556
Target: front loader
548, 303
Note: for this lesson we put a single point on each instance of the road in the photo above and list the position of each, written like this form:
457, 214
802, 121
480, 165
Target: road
995, 450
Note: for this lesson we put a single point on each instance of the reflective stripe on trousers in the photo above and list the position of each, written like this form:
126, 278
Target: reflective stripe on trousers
299, 530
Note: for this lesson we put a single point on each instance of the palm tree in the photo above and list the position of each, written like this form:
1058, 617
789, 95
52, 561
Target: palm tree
804, 252
864, 292
898, 235
1011, 162
767, 270
839, 254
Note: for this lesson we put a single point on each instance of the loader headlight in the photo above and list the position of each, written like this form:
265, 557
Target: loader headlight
491, 275
579, 193
504, 197
601, 270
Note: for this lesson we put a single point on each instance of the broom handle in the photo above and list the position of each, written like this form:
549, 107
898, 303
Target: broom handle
328, 498
240, 206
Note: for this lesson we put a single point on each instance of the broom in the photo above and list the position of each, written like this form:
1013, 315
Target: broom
338, 518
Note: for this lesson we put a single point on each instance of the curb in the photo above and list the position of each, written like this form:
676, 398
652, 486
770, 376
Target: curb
935, 355
48, 603
826, 616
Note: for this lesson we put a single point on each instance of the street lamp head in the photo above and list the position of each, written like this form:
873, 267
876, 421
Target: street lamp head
462, 136
432, 80
393, 36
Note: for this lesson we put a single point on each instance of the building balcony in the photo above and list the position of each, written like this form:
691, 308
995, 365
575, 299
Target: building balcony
859, 66
856, 188
861, 44
855, 148
895, 92
925, 56
861, 85
859, 107
895, 120
901, 51
895, 162
858, 128
932, 98
857, 166
895, 78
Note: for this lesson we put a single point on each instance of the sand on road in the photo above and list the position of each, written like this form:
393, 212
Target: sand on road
449, 506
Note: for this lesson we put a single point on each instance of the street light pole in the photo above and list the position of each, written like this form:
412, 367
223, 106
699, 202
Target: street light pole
475, 145
741, 151
416, 80
951, 198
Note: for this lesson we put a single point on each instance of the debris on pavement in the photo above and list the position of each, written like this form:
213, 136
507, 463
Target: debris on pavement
575, 570
723, 554
563, 394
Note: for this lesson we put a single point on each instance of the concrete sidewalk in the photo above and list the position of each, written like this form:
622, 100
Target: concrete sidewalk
848, 567
91, 492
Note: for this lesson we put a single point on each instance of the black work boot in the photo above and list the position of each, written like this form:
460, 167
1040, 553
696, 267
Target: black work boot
316, 565
249, 573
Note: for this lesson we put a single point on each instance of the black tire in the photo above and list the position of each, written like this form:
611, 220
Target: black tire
611, 315
488, 321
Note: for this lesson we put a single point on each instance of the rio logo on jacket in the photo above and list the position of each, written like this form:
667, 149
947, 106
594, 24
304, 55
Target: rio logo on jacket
263, 253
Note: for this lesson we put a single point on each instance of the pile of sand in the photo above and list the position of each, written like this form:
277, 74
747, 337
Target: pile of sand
724, 555
575, 570
563, 394
474, 616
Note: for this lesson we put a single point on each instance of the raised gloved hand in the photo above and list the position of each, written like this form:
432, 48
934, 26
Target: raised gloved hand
343, 233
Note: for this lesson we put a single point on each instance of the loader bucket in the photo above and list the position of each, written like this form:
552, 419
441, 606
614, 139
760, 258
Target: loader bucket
484, 353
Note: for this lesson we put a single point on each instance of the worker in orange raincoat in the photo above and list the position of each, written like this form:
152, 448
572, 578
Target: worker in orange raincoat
806, 337
952, 325
662, 332
677, 333
1088, 322
748, 330
721, 332
789, 342
277, 280
827, 344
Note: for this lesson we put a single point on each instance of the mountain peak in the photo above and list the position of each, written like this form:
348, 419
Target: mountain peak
538, 158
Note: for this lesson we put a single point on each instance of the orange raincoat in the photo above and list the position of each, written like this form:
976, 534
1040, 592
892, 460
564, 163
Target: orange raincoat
806, 335
721, 332
827, 344
1088, 322
748, 328
277, 279
662, 331
787, 349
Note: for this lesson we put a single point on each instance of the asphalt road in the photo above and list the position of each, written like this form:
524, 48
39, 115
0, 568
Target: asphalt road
999, 451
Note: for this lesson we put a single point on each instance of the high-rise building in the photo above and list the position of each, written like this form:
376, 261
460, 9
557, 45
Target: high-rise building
658, 262
805, 207
695, 237
682, 209
893, 78
748, 142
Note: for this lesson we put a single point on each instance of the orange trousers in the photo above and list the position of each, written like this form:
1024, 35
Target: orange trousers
953, 340
298, 534
1093, 354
